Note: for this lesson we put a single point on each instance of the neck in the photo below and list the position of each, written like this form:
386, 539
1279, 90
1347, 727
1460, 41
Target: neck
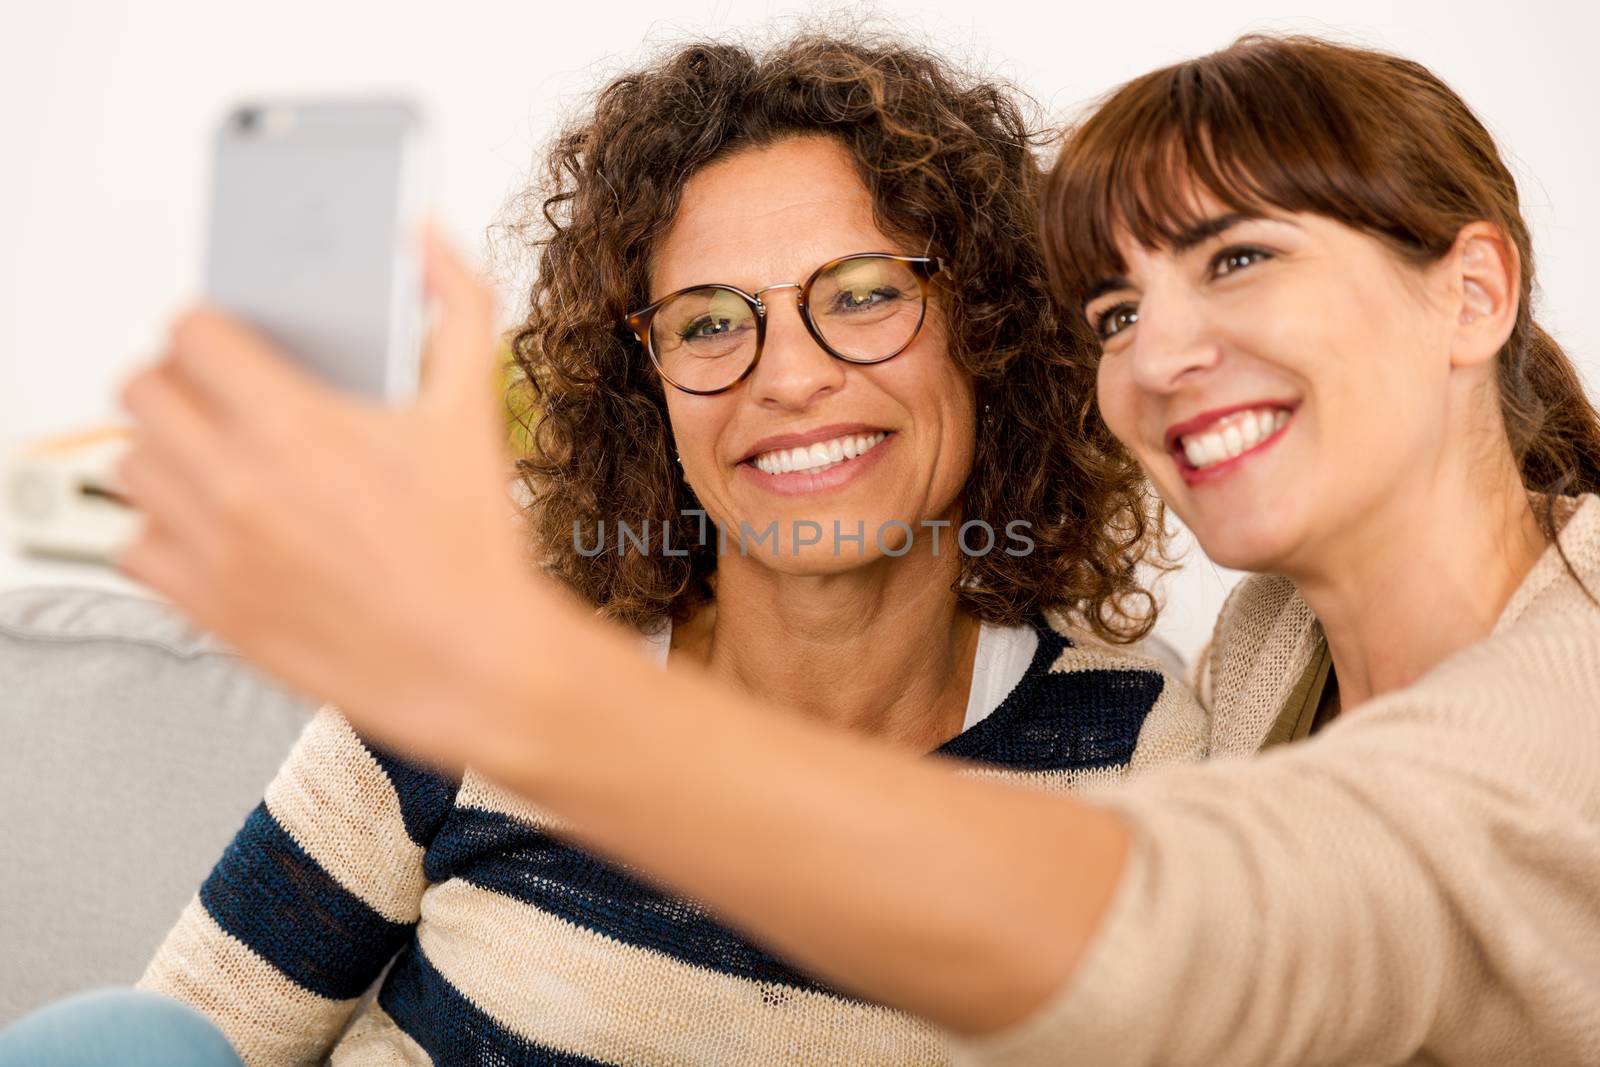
882, 650
1416, 582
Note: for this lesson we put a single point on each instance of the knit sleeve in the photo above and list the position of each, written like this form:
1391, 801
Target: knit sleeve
314, 895
1420, 881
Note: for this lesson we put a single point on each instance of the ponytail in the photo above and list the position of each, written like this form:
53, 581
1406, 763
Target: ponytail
1552, 424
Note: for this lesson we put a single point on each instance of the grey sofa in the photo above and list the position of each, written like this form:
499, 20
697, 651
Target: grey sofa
131, 749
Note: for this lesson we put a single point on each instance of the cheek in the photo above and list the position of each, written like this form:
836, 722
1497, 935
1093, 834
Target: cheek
929, 385
692, 423
1373, 363
937, 399
1382, 372
954, 392
1118, 400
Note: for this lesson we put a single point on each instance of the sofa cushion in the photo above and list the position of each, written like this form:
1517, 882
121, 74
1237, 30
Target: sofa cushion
131, 749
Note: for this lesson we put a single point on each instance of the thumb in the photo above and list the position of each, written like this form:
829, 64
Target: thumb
460, 367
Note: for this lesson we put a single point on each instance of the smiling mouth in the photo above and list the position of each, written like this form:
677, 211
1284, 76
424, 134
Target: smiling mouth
1219, 440
818, 457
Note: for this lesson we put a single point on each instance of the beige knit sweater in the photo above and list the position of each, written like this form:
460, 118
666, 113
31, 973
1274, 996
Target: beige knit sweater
1418, 883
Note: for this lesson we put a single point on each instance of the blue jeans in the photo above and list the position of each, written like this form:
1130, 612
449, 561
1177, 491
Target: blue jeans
115, 1028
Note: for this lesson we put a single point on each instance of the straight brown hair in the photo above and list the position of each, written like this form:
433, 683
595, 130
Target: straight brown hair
1371, 140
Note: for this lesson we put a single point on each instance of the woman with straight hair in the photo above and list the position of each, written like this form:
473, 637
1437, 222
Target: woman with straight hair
1307, 282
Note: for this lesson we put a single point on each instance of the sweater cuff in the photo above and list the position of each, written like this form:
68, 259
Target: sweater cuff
1088, 1020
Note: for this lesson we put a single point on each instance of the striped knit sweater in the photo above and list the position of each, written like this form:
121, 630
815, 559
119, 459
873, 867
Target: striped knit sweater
511, 947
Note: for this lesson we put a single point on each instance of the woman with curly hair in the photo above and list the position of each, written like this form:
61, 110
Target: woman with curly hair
803, 417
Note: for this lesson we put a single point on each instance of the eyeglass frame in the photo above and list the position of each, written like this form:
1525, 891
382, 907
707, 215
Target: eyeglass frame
923, 268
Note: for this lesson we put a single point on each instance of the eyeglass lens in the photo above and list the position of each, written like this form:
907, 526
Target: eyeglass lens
863, 308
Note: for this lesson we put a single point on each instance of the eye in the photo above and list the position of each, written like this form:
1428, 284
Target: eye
857, 299
704, 328
1113, 320
1237, 258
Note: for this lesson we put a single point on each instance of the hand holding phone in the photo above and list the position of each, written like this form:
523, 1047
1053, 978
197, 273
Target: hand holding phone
319, 534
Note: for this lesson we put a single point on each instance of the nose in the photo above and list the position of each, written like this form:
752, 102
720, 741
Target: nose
1177, 341
794, 372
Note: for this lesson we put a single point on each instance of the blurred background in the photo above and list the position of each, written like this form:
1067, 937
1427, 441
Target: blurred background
106, 110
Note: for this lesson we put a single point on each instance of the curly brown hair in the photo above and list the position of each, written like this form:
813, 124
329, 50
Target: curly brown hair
951, 163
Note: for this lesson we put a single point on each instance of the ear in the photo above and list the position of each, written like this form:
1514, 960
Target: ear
1485, 280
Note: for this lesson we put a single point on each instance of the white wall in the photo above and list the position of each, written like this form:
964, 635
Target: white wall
105, 109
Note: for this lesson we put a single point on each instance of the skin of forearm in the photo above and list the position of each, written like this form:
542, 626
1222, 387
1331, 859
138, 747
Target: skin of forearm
962, 899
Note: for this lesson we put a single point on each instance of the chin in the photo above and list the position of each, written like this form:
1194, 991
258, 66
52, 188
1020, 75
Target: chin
1248, 522
786, 554
813, 561
1252, 558
1242, 546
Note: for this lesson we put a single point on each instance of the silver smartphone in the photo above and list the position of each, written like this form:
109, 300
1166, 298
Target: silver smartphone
313, 237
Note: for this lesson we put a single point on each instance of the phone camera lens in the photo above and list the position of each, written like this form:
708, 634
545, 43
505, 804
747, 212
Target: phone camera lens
247, 119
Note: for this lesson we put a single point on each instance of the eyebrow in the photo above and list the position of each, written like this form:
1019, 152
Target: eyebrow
1190, 236
1101, 288
1185, 239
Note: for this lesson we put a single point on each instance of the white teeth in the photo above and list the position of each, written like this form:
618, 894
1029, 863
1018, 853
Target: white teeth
1238, 436
815, 458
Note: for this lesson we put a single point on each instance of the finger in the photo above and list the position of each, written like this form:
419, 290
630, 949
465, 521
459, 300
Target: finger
464, 348
230, 367
164, 497
157, 559
171, 420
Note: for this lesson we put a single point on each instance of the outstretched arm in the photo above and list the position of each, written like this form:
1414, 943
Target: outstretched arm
1422, 875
